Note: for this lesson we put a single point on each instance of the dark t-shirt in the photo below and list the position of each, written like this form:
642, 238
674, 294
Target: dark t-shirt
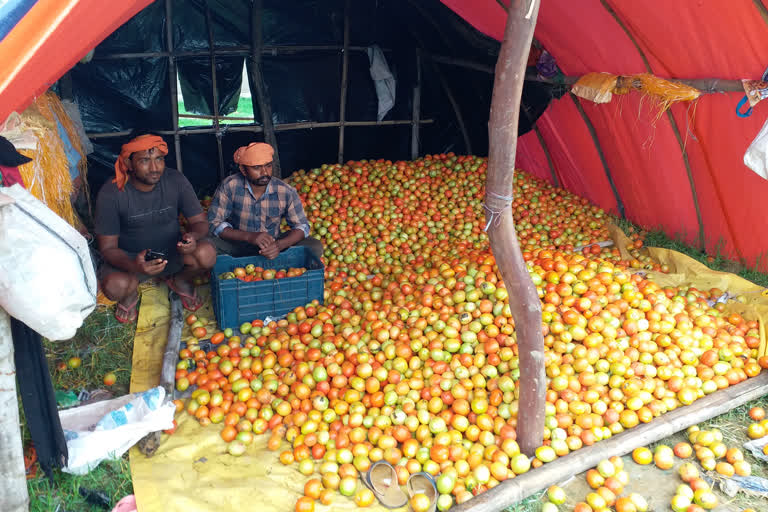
146, 220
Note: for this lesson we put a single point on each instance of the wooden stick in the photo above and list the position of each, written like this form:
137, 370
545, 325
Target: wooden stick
228, 118
672, 122
462, 63
344, 80
211, 44
257, 80
149, 444
13, 481
547, 154
278, 127
172, 78
512, 491
416, 110
233, 51
455, 106
523, 297
705, 85
761, 9
596, 141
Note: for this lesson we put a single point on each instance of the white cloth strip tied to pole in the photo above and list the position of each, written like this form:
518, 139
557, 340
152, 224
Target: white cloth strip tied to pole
495, 213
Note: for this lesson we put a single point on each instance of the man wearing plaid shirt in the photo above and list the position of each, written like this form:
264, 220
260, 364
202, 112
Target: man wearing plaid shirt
248, 209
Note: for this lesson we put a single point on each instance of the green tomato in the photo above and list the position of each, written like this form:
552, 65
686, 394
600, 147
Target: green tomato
245, 327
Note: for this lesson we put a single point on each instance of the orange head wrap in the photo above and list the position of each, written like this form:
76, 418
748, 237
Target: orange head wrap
140, 143
255, 153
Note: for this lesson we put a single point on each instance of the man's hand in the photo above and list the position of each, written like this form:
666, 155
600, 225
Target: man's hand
261, 240
187, 245
150, 268
271, 251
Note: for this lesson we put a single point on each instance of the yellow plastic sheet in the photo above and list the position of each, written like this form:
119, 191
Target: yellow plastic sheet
191, 471
684, 270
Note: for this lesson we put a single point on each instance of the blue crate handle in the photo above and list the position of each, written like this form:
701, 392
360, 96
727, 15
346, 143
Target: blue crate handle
740, 106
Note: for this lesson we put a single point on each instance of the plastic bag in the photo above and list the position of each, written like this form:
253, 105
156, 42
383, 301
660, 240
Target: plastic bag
106, 430
46, 274
756, 157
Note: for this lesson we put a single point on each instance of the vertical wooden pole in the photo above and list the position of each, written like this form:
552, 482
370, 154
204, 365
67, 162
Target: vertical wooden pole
172, 77
416, 110
13, 481
523, 296
598, 147
211, 45
455, 106
344, 79
257, 81
551, 164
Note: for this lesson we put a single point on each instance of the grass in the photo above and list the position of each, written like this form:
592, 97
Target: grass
104, 345
244, 109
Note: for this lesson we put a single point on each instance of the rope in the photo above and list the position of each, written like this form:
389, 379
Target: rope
495, 214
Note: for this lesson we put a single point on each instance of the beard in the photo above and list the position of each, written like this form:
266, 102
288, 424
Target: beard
261, 181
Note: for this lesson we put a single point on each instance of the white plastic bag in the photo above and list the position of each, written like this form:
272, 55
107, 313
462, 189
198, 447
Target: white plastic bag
106, 430
46, 273
756, 157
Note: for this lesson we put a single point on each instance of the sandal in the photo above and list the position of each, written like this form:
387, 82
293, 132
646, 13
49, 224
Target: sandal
127, 314
190, 302
381, 478
423, 483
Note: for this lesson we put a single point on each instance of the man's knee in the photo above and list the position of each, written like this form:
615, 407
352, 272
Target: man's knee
118, 285
205, 255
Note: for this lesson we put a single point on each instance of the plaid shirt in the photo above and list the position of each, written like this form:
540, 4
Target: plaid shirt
235, 206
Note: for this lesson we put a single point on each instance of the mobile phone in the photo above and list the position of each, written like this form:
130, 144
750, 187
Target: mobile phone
153, 255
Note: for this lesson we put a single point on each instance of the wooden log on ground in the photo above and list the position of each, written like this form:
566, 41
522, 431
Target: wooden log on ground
149, 444
523, 296
512, 491
13, 481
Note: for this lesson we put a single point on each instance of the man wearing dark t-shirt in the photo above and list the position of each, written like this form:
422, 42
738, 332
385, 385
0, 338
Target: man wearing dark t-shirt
138, 232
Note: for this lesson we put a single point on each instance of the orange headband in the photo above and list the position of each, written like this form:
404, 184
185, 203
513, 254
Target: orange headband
141, 143
255, 153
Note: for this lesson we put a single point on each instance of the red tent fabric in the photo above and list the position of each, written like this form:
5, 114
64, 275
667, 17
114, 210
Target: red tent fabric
49, 40
703, 39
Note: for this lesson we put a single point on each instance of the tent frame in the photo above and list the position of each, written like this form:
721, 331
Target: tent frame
255, 51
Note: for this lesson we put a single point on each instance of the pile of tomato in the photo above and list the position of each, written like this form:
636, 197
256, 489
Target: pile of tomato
412, 356
253, 273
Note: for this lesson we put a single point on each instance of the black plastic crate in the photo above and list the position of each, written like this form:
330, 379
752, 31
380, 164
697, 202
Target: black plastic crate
236, 301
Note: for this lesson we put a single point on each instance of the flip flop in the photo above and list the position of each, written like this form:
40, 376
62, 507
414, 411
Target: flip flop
130, 312
381, 478
423, 483
190, 302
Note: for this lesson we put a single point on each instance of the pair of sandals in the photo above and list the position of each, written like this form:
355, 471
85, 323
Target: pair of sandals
381, 478
128, 314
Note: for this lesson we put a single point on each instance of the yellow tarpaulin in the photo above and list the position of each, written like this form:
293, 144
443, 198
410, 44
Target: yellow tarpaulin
191, 471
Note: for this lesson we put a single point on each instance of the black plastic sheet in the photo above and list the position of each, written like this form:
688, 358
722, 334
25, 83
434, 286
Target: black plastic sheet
118, 95
302, 87
197, 84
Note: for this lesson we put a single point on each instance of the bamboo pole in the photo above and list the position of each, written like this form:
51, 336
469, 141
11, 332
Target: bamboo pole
455, 106
462, 63
257, 81
233, 51
705, 85
547, 154
416, 110
596, 141
211, 44
14, 496
344, 83
672, 122
761, 9
523, 297
172, 77
512, 491
149, 444
278, 127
